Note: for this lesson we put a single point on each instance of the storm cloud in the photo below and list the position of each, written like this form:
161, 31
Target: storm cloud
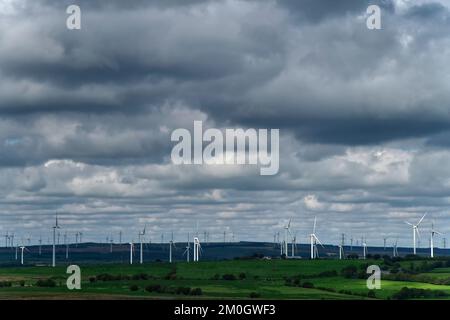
86, 116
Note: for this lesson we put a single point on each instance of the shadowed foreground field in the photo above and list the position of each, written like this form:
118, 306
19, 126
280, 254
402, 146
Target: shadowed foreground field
248, 279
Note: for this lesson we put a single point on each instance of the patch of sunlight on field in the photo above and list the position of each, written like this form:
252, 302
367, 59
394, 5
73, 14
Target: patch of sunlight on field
388, 287
268, 269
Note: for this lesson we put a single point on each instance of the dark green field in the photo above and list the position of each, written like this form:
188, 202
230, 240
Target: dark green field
265, 279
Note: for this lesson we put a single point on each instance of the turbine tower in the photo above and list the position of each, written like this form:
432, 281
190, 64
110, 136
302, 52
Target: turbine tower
384, 243
394, 248
141, 236
40, 245
341, 247
293, 245
56, 226
187, 252
171, 244
286, 232
415, 230
197, 249
364, 244
67, 245
21, 254
433, 232
6, 239
341, 252
314, 240
131, 252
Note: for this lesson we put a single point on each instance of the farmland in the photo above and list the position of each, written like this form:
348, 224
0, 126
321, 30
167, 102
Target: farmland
228, 279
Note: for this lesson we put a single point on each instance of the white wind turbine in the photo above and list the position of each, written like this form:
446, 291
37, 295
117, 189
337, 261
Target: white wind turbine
171, 244
394, 248
433, 232
22, 248
415, 229
187, 252
131, 252
286, 232
40, 245
141, 236
6, 239
341, 252
314, 240
67, 245
294, 245
56, 226
384, 242
341, 247
364, 244
197, 248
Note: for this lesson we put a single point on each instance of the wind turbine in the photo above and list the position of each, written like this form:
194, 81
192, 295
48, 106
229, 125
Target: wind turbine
314, 240
187, 252
394, 248
197, 248
293, 245
384, 242
22, 248
171, 244
341, 247
433, 232
40, 245
415, 230
286, 232
111, 243
341, 252
131, 252
67, 245
6, 239
141, 255
364, 244
56, 226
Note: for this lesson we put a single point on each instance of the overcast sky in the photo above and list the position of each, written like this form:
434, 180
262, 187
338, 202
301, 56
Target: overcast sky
86, 117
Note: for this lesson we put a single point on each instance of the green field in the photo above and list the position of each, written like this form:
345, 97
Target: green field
265, 279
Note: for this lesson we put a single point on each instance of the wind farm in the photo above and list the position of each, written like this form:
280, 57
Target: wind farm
289, 267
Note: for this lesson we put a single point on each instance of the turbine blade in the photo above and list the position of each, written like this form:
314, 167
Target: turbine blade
409, 223
317, 239
421, 219
314, 228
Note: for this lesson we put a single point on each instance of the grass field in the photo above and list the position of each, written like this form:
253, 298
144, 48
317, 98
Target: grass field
265, 279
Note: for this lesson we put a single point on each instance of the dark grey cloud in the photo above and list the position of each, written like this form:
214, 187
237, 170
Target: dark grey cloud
86, 116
